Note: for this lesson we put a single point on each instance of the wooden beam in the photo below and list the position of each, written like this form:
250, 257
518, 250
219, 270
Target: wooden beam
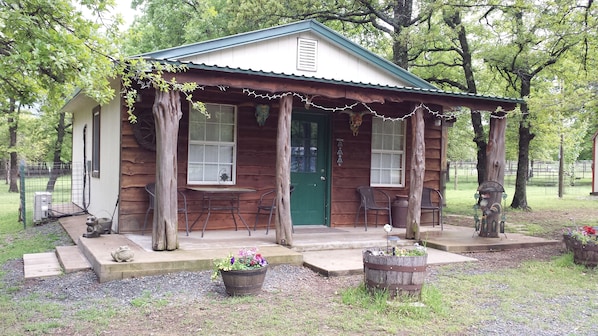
283, 222
418, 170
167, 114
354, 92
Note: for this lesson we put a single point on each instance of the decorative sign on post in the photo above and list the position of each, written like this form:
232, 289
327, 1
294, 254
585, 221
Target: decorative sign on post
339, 152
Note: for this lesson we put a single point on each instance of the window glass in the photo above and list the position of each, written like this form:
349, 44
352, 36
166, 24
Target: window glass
388, 160
304, 146
212, 145
95, 148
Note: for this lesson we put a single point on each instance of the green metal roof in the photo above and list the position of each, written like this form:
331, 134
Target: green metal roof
312, 26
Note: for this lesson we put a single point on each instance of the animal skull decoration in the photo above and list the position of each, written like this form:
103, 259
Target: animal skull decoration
355, 120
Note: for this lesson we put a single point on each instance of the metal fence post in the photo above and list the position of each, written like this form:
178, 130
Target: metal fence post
22, 193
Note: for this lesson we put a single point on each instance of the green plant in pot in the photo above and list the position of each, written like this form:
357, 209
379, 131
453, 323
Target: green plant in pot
242, 274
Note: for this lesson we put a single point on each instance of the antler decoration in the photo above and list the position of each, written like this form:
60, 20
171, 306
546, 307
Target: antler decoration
355, 120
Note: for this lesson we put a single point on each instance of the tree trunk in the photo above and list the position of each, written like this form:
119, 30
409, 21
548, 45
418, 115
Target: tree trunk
54, 172
13, 125
167, 114
495, 151
403, 11
525, 137
418, 170
283, 221
480, 141
495, 155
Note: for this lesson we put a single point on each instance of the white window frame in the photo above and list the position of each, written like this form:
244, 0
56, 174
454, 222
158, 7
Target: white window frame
96, 141
211, 172
385, 137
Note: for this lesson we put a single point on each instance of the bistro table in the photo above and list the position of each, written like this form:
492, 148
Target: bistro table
219, 199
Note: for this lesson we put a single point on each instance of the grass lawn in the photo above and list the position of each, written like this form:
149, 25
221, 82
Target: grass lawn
544, 297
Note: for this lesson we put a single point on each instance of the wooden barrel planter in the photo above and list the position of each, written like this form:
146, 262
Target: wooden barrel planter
397, 275
586, 255
245, 282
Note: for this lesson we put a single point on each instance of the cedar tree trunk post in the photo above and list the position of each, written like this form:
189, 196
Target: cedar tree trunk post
283, 221
418, 169
167, 113
495, 171
495, 151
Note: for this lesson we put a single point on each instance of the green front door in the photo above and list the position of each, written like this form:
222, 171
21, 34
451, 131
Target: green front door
310, 168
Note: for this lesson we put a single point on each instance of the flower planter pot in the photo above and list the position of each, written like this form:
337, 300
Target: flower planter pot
245, 282
397, 275
586, 255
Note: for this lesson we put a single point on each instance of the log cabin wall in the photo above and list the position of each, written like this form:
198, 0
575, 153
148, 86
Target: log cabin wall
256, 162
355, 170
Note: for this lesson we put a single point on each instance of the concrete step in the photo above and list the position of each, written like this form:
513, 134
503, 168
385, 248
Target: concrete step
65, 259
72, 259
40, 265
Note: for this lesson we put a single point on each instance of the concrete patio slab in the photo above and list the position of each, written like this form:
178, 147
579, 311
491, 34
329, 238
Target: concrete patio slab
329, 251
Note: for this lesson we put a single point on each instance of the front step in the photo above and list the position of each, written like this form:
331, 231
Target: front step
66, 258
72, 259
41, 265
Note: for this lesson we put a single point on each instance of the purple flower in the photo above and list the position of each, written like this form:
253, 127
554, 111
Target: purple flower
232, 260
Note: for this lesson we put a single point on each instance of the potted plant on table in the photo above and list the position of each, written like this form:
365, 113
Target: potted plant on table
243, 274
583, 242
399, 270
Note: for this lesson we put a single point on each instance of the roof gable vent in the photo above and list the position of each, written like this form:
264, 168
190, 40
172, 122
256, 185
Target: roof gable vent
307, 52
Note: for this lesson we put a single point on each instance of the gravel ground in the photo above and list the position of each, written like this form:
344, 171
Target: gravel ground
82, 288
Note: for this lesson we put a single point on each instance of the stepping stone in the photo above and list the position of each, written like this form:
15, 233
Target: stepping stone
40, 265
72, 259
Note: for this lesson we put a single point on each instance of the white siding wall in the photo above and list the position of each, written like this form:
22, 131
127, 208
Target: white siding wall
280, 56
103, 190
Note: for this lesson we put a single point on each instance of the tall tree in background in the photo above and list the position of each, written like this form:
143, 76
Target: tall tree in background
528, 39
46, 47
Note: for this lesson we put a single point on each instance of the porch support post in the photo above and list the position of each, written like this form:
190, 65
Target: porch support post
495, 171
418, 170
283, 221
495, 151
167, 113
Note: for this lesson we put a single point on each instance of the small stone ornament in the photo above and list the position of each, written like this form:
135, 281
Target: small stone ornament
123, 254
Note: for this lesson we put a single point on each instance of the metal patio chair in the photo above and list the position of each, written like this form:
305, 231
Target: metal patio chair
435, 207
267, 203
151, 190
369, 202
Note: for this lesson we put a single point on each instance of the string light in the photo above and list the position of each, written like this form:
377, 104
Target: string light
447, 115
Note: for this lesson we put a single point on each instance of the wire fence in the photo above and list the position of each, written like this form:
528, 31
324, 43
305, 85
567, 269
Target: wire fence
544, 174
47, 191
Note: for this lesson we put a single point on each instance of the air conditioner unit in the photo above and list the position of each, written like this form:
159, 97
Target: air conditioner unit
42, 205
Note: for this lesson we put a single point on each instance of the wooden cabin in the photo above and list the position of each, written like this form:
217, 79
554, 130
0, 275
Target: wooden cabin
351, 126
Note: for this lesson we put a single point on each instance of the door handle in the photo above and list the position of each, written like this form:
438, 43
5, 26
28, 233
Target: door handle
322, 178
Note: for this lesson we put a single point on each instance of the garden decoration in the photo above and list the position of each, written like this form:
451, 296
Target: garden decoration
398, 270
583, 242
489, 200
123, 254
97, 226
243, 274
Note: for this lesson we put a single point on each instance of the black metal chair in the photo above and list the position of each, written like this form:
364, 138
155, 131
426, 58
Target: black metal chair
369, 202
151, 190
428, 204
267, 203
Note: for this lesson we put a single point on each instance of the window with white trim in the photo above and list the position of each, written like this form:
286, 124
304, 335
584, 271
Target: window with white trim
212, 145
95, 143
388, 153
